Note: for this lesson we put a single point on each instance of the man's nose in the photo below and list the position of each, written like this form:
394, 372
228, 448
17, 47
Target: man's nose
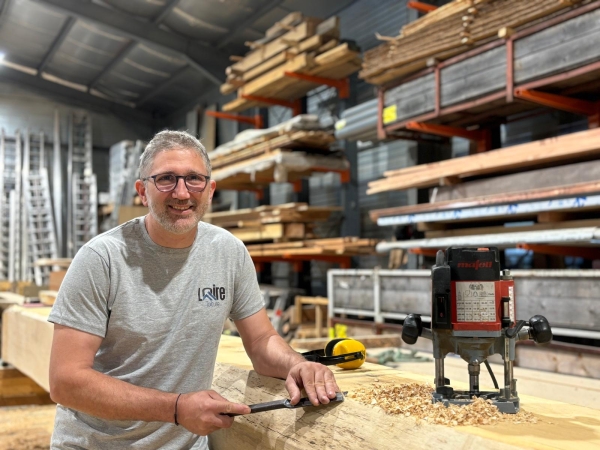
181, 190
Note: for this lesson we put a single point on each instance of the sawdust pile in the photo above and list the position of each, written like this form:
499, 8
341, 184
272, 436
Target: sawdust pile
414, 400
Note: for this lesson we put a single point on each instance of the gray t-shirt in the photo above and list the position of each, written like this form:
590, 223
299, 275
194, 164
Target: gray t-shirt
160, 312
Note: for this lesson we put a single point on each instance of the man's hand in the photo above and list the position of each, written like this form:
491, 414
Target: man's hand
203, 412
316, 379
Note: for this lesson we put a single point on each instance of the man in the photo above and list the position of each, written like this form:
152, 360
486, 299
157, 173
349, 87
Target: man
140, 312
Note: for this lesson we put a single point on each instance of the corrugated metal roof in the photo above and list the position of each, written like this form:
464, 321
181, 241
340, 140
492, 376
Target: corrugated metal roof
136, 52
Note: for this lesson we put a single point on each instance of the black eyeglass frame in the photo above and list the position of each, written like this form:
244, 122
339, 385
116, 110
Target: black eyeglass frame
177, 177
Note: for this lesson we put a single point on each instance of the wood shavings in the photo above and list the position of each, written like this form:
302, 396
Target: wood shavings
414, 400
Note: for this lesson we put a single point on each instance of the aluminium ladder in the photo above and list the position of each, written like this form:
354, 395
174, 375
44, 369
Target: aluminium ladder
38, 237
82, 208
10, 185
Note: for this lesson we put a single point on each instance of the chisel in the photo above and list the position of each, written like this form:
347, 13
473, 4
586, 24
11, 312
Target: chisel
281, 404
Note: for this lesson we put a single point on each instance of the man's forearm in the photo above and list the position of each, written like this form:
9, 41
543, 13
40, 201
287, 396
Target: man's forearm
106, 397
273, 357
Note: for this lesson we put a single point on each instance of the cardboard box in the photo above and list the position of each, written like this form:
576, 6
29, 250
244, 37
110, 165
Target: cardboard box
131, 212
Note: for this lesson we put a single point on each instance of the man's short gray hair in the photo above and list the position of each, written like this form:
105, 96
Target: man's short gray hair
171, 140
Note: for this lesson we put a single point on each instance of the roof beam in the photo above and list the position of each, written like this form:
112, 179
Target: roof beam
127, 49
56, 44
161, 87
71, 96
4, 4
206, 60
111, 65
249, 21
166, 11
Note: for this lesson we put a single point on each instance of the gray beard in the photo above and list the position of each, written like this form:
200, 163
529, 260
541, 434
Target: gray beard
161, 215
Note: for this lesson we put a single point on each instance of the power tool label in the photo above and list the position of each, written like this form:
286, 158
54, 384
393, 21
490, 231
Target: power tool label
475, 301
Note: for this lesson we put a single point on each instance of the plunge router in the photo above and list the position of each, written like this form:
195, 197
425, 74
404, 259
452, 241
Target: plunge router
473, 316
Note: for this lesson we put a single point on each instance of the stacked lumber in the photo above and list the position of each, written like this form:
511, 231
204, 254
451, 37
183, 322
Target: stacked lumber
450, 30
276, 166
343, 246
305, 45
308, 141
553, 199
286, 152
291, 221
582, 145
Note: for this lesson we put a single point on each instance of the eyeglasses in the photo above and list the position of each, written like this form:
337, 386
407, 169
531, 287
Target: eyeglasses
167, 182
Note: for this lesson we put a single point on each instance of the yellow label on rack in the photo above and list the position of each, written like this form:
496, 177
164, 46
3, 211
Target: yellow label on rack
389, 114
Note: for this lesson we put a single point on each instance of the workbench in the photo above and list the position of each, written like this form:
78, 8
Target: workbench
347, 425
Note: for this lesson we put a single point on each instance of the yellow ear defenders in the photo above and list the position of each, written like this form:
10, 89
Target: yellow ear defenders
345, 353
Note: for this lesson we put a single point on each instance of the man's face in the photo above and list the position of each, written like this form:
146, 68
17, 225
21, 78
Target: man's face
180, 210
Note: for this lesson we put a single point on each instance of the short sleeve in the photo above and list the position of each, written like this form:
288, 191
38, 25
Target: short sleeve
247, 299
82, 301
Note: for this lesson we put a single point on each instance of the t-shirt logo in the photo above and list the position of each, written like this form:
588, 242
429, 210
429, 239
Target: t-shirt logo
211, 294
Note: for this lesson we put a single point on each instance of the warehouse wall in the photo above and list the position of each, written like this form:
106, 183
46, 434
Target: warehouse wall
20, 109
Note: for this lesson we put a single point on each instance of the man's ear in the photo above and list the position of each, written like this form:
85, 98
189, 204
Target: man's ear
213, 186
140, 187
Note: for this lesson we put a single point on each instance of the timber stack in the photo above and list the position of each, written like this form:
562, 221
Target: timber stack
278, 223
286, 152
452, 29
342, 246
297, 44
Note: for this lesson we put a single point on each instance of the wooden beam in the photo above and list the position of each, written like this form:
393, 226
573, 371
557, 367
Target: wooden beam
584, 144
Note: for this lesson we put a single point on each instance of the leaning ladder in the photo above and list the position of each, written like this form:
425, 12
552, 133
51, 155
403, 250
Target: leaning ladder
82, 208
10, 185
38, 236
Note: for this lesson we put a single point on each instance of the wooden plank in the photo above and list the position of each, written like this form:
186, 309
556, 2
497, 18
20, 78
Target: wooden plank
515, 197
456, 33
208, 129
433, 230
308, 45
584, 144
18, 389
12, 298
26, 342
299, 33
336, 63
534, 179
48, 297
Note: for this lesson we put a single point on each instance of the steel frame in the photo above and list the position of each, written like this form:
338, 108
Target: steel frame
511, 93
255, 120
342, 85
295, 106
421, 7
